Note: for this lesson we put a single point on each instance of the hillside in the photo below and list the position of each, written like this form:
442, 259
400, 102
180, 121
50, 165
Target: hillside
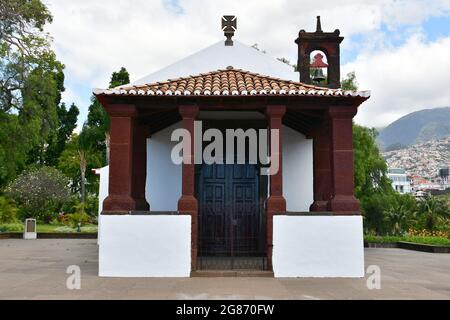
422, 159
417, 127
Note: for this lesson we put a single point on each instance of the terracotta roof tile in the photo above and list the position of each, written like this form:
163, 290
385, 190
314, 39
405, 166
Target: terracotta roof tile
228, 82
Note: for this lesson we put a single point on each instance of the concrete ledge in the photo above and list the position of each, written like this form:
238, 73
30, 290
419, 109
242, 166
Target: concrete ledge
409, 246
423, 247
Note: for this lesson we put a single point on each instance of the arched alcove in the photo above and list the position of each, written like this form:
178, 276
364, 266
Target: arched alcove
318, 69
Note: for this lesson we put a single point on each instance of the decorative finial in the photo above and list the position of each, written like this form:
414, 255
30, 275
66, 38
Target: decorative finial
319, 25
229, 26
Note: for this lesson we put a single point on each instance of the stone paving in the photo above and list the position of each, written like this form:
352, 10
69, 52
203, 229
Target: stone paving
37, 270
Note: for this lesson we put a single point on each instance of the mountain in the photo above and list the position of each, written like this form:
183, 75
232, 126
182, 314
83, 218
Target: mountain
417, 127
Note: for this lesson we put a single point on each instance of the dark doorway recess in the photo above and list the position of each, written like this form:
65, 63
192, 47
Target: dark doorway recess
231, 217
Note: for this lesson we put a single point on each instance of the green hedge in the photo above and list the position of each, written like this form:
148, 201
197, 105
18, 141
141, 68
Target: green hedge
415, 239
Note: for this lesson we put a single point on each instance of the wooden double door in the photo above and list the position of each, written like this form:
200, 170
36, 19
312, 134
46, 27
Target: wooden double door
231, 219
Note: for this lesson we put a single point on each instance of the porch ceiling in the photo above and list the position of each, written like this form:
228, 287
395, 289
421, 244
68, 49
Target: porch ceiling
302, 121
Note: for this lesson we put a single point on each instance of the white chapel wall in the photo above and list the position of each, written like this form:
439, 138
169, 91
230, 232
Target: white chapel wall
163, 185
318, 246
297, 170
145, 246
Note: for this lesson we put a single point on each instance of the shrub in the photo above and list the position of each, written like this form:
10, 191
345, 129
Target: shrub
39, 193
79, 217
12, 227
8, 210
433, 211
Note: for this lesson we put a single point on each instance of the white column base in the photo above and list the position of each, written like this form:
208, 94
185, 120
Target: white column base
318, 246
145, 246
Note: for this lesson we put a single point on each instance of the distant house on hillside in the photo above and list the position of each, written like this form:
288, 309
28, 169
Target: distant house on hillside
400, 180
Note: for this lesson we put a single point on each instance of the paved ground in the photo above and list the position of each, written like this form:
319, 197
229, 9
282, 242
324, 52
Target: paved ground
37, 270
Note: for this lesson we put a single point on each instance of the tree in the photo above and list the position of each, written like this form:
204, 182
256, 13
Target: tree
67, 122
372, 186
399, 218
349, 82
8, 210
31, 82
370, 166
77, 161
370, 172
433, 210
98, 119
39, 192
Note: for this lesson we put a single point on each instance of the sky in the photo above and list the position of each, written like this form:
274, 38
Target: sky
399, 49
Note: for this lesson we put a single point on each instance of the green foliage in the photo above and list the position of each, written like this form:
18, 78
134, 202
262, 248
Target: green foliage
119, 78
370, 166
432, 211
8, 210
31, 82
97, 123
79, 217
80, 156
441, 241
90, 205
349, 82
11, 227
39, 193
400, 214
67, 122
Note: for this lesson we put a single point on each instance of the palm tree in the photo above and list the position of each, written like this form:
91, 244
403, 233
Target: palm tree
433, 209
399, 217
85, 148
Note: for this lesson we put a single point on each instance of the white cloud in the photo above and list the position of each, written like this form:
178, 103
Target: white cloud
405, 79
94, 38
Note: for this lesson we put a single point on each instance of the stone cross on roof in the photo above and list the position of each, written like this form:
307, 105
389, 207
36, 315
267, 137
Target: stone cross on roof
229, 26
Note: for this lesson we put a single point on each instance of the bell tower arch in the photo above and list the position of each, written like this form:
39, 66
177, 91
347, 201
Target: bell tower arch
326, 42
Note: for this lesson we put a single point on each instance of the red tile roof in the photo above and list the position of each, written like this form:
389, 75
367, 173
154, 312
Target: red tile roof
228, 82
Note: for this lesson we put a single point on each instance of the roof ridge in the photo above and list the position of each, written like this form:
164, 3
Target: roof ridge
305, 85
229, 82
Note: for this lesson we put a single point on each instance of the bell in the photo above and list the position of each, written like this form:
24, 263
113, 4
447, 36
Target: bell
318, 75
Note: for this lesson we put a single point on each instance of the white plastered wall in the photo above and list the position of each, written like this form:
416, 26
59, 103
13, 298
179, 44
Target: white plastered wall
318, 246
145, 246
164, 180
102, 194
297, 170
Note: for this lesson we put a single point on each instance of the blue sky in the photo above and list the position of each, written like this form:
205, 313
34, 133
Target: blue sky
391, 45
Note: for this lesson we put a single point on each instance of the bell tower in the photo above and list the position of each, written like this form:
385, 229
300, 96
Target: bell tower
329, 44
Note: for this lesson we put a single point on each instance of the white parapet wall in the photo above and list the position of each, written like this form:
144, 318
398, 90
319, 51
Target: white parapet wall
318, 246
145, 246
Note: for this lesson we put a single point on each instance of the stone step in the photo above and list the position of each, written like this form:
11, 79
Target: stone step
232, 273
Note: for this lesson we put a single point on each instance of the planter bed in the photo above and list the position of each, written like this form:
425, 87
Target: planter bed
423, 247
409, 246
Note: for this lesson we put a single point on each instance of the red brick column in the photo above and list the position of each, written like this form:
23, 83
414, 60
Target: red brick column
343, 200
322, 167
188, 203
127, 165
276, 203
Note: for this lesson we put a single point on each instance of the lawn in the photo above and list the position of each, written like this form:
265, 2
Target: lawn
49, 228
440, 241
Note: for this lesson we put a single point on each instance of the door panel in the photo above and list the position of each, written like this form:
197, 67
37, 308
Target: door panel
229, 210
